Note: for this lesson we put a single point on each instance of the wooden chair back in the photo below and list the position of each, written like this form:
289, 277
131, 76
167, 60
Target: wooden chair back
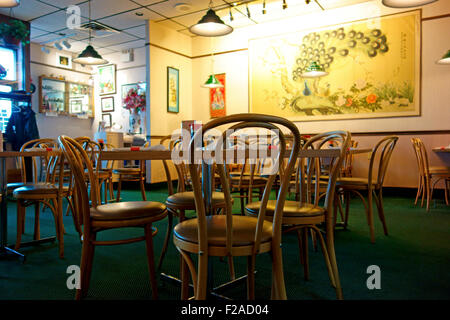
383, 152
80, 162
243, 121
39, 165
421, 156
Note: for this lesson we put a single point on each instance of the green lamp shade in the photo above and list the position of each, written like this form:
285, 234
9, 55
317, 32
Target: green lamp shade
445, 59
210, 26
406, 3
314, 71
89, 56
212, 82
9, 3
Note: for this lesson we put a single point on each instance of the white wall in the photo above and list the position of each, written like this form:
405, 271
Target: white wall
45, 64
126, 73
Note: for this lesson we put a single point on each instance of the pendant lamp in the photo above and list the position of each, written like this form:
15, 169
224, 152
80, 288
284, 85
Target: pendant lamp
445, 59
210, 25
89, 56
9, 3
212, 81
314, 71
406, 3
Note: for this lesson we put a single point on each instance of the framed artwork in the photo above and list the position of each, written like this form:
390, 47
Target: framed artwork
107, 79
76, 105
140, 87
173, 93
63, 60
107, 104
217, 99
106, 117
373, 70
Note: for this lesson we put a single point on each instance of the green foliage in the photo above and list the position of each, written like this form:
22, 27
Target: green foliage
15, 29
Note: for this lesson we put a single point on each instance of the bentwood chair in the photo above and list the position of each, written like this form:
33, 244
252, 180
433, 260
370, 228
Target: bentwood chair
46, 189
309, 213
179, 202
132, 175
372, 184
97, 218
428, 175
235, 235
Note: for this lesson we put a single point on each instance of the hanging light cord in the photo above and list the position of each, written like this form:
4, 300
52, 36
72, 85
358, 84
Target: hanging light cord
90, 22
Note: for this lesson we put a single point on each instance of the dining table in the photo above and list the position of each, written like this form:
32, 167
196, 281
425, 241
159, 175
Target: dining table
5, 250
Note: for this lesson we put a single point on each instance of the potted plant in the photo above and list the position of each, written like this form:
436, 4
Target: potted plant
14, 32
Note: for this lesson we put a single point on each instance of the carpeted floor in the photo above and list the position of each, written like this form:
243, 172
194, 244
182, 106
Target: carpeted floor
414, 259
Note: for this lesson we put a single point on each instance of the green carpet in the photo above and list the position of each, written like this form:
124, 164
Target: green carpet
414, 259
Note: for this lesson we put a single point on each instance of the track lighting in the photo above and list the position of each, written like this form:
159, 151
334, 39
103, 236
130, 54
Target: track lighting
58, 46
66, 44
284, 4
248, 11
45, 50
231, 16
264, 7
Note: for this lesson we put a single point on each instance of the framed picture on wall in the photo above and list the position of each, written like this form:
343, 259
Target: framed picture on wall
217, 99
63, 60
173, 93
106, 118
107, 104
76, 105
107, 79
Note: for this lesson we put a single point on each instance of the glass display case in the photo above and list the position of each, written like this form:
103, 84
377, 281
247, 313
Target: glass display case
61, 97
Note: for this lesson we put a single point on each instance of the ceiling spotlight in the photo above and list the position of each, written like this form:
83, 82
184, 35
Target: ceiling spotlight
231, 16
45, 49
66, 44
139, 14
9, 3
284, 4
264, 7
58, 46
248, 10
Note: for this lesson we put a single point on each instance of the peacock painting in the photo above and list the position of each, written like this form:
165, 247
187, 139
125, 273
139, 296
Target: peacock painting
373, 71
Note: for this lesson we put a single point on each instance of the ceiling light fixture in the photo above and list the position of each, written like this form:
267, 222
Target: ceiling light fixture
9, 3
89, 56
445, 59
45, 50
406, 3
58, 46
314, 71
264, 7
284, 4
248, 11
231, 16
212, 81
210, 25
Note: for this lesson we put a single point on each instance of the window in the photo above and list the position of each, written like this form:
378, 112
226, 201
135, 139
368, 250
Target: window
11, 61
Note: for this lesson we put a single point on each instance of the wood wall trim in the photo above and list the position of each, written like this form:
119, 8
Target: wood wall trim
436, 17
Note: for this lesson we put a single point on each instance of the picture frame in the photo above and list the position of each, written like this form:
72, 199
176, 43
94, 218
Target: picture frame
173, 90
63, 60
76, 106
107, 104
106, 118
107, 79
217, 101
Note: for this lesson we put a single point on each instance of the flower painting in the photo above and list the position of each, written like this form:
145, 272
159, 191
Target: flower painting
373, 71
107, 79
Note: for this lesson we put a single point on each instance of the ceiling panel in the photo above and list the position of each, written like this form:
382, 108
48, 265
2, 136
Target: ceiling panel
63, 4
112, 40
130, 19
35, 32
28, 10
53, 22
105, 8
138, 31
168, 23
148, 2
169, 9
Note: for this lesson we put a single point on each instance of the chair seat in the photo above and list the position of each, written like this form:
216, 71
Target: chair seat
187, 198
35, 189
14, 185
243, 230
127, 210
354, 183
291, 209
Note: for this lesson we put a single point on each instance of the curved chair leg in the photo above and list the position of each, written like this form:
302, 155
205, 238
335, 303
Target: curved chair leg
150, 259
325, 255
142, 183
202, 277
278, 285
87, 255
119, 187
370, 215
20, 218
166, 240
419, 189
379, 203
187, 266
334, 267
37, 224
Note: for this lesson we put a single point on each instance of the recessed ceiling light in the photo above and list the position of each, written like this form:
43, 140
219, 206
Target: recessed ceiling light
139, 14
182, 7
